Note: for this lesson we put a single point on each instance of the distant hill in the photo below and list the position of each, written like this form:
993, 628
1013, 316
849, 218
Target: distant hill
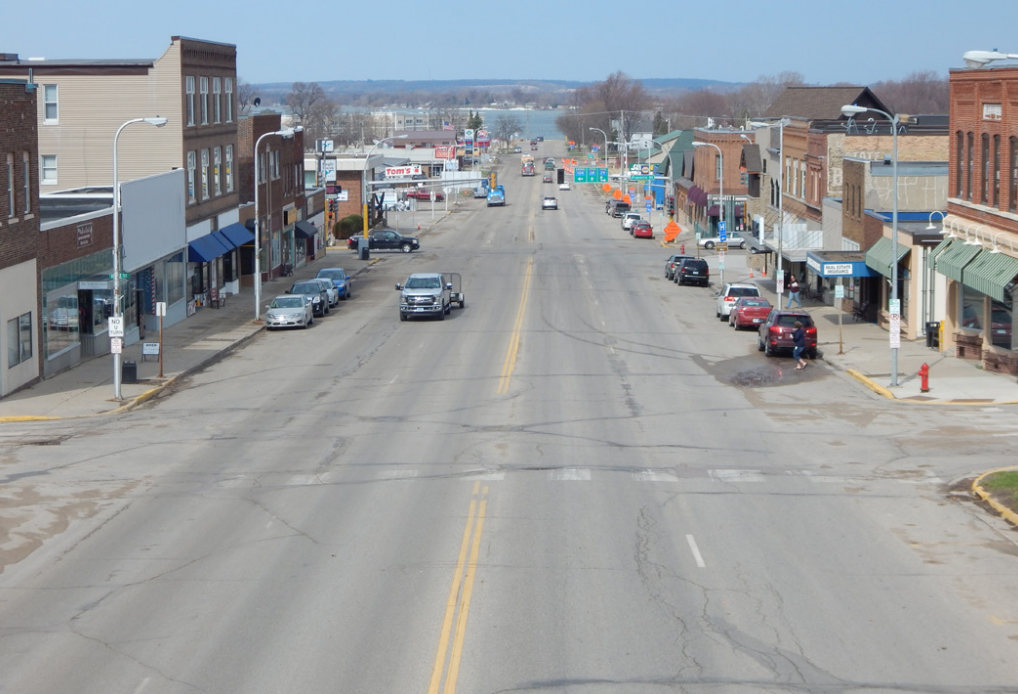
346, 89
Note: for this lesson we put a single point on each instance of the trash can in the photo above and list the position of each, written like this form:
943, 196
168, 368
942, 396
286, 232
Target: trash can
933, 334
363, 252
129, 372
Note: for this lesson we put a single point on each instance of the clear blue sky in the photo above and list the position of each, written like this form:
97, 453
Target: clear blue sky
730, 40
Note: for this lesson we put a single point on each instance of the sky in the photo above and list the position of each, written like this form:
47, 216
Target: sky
726, 40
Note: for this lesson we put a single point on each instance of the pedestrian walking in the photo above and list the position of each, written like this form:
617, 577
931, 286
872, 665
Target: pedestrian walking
799, 340
793, 292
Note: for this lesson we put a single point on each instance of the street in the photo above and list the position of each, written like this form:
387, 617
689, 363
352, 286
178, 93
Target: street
580, 482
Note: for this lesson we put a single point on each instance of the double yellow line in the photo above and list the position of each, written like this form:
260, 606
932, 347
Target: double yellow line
458, 605
514, 340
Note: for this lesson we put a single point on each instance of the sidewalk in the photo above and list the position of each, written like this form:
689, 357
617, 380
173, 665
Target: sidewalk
866, 354
188, 346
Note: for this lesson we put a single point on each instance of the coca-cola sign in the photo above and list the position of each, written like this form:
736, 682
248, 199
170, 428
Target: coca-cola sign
402, 171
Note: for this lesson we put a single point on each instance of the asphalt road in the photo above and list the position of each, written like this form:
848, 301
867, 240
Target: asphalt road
581, 482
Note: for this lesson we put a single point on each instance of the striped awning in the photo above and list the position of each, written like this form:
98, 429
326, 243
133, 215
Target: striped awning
991, 273
940, 248
878, 257
951, 263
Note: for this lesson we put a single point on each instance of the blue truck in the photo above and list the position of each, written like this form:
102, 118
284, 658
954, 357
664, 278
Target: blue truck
496, 196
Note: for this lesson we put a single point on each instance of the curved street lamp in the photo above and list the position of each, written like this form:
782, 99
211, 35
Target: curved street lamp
605, 135
721, 192
851, 110
977, 59
286, 134
118, 311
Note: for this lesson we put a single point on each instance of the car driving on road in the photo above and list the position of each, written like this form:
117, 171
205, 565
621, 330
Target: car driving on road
549, 203
386, 239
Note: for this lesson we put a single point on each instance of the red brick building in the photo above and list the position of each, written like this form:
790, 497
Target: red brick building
20, 307
982, 209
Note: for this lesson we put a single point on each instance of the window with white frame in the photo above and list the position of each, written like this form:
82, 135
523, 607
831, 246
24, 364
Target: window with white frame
229, 99
992, 112
19, 339
190, 176
717, 167
10, 185
48, 164
203, 102
27, 188
217, 98
50, 105
229, 168
275, 164
217, 165
204, 174
189, 98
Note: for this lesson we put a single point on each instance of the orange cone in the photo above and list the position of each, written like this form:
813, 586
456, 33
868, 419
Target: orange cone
751, 273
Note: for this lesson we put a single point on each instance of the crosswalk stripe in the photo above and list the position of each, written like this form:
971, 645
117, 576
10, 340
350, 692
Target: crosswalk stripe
485, 476
569, 474
737, 475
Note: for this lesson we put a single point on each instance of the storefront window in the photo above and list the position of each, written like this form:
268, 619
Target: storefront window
1002, 322
176, 269
61, 290
972, 309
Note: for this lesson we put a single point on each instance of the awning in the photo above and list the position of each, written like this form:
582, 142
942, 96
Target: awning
940, 248
305, 229
223, 239
951, 263
238, 234
832, 264
991, 273
878, 257
714, 211
205, 249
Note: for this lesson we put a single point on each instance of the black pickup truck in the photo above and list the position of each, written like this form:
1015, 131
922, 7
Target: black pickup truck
383, 239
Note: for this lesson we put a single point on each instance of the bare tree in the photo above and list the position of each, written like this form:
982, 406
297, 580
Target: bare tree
303, 99
919, 92
245, 95
505, 127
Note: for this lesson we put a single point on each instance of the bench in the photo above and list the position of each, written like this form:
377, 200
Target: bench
219, 301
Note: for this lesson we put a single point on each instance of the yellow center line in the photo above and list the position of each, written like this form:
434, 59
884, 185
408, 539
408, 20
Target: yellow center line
457, 607
514, 339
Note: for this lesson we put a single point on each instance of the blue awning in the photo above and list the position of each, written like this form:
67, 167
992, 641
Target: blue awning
205, 249
223, 239
239, 234
832, 264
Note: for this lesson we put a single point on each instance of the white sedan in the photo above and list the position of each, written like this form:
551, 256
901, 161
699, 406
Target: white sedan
289, 311
734, 240
563, 186
549, 203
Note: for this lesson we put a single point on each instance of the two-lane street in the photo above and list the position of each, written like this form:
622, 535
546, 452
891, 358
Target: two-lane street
564, 486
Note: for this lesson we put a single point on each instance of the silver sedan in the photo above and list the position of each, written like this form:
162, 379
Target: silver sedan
289, 311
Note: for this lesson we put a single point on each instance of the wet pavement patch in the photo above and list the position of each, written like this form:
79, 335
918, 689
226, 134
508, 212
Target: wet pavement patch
760, 372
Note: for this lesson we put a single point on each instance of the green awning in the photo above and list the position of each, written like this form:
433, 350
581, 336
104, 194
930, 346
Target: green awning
951, 263
990, 273
878, 257
940, 248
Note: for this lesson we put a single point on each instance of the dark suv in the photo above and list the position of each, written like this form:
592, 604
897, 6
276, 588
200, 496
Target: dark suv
693, 271
672, 264
776, 332
312, 290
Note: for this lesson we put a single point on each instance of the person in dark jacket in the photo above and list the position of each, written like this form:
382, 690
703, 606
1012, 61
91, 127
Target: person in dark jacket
799, 341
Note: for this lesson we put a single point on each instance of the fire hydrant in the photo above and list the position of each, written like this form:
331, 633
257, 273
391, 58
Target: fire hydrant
924, 378
682, 249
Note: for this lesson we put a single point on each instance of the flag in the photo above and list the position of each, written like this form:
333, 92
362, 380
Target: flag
446, 125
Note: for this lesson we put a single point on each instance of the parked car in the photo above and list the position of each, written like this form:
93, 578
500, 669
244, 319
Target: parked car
672, 263
642, 229
383, 239
314, 292
564, 185
549, 203
693, 271
331, 293
775, 333
289, 311
730, 294
340, 280
628, 218
734, 239
616, 208
424, 194
749, 312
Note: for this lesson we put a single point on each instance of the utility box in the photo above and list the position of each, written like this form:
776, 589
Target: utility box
363, 250
129, 372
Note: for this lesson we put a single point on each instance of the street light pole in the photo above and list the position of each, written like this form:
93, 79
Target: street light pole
721, 194
364, 177
286, 134
605, 145
851, 111
118, 310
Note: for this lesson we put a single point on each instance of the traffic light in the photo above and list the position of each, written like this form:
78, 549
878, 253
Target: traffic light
561, 176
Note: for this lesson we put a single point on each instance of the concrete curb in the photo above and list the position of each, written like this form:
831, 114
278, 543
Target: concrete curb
1009, 515
869, 383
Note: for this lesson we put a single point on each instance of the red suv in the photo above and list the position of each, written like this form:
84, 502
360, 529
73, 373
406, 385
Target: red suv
425, 195
776, 332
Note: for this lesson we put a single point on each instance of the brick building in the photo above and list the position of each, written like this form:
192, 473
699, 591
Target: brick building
20, 326
979, 256
710, 170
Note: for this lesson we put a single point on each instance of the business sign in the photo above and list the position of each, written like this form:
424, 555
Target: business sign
640, 172
445, 152
402, 171
468, 135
